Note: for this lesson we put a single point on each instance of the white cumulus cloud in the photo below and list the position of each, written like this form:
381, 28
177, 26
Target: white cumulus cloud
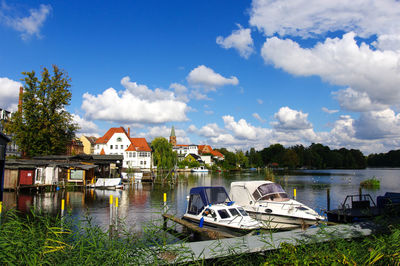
9, 93
326, 110
289, 119
240, 40
378, 125
205, 77
308, 18
87, 128
341, 62
28, 26
135, 104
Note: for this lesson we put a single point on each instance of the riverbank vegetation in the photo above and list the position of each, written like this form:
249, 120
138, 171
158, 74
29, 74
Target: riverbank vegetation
316, 156
370, 183
42, 239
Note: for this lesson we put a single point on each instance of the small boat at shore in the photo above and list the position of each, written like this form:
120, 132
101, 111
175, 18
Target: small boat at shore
211, 207
268, 202
200, 169
362, 207
107, 183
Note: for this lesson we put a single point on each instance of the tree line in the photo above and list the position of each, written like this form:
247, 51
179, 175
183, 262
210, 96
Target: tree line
389, 159
276, 155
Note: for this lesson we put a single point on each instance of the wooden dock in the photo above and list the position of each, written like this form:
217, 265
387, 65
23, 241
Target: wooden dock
203, 250
205, 232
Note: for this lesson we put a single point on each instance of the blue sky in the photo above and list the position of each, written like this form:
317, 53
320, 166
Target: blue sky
235, 74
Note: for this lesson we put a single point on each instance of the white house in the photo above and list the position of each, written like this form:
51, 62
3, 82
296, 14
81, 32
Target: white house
136, 151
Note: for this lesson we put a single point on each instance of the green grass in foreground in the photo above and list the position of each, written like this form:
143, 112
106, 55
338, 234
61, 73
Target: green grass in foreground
41, 239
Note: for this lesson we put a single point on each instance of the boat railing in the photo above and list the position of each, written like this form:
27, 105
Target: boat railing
360, 201
237, 216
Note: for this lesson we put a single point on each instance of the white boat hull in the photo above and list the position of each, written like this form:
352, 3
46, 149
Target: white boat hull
281, 222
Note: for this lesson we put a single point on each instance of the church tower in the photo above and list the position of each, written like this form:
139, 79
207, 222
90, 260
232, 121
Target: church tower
172, 137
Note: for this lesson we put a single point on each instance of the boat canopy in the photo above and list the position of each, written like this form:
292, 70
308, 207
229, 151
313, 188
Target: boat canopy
247, 191
204, 196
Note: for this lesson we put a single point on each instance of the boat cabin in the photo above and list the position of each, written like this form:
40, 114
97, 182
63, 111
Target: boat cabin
245, 193
200, 197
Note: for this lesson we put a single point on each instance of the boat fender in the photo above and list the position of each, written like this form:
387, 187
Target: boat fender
268, 210
201, 222
230, 203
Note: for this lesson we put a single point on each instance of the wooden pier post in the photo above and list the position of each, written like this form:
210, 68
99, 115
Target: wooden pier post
360, 193
328, 200
111, 216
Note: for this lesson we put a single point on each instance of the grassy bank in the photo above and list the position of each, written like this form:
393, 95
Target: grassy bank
42, 239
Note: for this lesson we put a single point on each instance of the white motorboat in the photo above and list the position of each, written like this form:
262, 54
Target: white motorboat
212, 208
268, 202
107, 183
200, 169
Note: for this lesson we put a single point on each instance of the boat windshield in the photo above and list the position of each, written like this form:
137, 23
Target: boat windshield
216, 195
242, 211
270, 191
234, 212
223, 214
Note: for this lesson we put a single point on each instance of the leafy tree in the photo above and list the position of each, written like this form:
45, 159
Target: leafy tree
241, 159
163, 155
43, 126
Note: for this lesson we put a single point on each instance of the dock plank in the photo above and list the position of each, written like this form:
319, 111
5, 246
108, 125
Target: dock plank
210, 249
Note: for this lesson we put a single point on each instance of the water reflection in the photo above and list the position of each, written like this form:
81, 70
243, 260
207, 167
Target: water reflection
142, 202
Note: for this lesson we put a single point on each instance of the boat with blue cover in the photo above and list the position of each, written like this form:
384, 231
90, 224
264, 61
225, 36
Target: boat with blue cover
211, 207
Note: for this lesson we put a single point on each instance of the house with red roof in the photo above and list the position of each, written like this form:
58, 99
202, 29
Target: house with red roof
117, 141
206, 152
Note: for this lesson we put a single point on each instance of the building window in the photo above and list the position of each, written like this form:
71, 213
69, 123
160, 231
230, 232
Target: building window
141, 162
119, 139
111, 146
144, 162
133, 154
122, 146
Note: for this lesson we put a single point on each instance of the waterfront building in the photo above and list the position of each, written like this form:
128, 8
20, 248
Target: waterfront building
117, 141
74, 147
12, 147
88, 144
205, 152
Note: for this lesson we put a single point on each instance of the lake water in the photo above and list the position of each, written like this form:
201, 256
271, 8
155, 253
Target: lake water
142, 202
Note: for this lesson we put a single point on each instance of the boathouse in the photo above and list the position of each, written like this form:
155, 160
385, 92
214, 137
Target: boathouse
3, 144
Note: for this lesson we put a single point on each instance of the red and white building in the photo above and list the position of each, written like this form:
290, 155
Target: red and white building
136, 151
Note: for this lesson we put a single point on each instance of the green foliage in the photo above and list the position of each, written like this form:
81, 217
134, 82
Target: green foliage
163, 155
190, 164
43, 126
315, 156
371, 183
389, 159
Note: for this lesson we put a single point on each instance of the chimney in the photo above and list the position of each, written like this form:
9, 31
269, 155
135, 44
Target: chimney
21, 92
129, 132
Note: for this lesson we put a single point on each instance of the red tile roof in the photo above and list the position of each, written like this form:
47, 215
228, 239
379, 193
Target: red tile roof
104, 139
140, 144
217, 153
102, 152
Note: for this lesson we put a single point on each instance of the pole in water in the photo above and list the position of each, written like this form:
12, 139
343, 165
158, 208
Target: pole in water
62, 207
328, 200
165, 200
1, 209
116, 213
111, 211
294, 193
